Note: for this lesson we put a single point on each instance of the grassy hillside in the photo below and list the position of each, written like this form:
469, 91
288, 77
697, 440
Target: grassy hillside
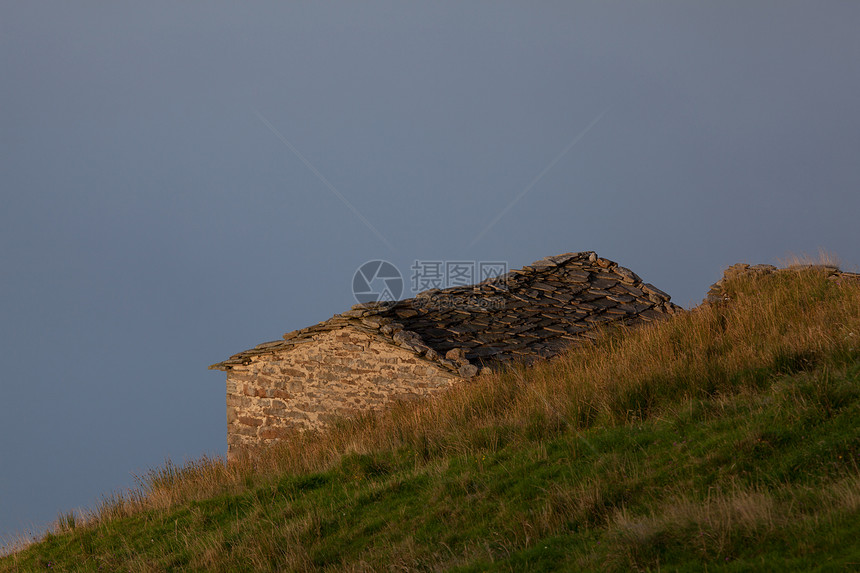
727, 438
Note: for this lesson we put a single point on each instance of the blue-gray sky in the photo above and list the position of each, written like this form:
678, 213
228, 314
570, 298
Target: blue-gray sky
154, 218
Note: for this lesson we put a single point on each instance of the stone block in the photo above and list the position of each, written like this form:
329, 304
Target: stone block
249, 421
244, 430
468, 370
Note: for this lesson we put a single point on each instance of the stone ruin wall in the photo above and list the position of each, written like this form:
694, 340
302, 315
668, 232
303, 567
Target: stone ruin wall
716, 294
334, 373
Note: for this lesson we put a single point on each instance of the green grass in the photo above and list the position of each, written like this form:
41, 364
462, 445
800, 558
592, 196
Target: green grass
725, 439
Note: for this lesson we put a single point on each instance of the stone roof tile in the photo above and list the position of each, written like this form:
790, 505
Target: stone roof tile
526, 314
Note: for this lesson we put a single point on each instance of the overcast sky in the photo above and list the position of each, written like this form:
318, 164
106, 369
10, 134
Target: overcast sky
180, 181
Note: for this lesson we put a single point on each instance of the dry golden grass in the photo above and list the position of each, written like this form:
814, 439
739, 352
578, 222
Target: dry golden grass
803, 260
629, 375
780, 323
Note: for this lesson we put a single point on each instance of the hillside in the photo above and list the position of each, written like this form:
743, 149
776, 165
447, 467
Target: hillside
726, 437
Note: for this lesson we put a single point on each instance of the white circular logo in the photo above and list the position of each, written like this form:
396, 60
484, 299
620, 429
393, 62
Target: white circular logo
377, 281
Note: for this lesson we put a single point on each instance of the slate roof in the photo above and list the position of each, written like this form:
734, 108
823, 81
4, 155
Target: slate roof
531, 313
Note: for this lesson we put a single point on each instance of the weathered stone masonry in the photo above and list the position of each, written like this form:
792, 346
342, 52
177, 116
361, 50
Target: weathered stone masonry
329, 374
364, 358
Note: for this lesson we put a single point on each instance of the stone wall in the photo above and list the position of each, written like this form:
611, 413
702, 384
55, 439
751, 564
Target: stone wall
717, 294
338, 373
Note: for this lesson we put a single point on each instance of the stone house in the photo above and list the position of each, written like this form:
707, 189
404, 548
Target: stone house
374, 353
